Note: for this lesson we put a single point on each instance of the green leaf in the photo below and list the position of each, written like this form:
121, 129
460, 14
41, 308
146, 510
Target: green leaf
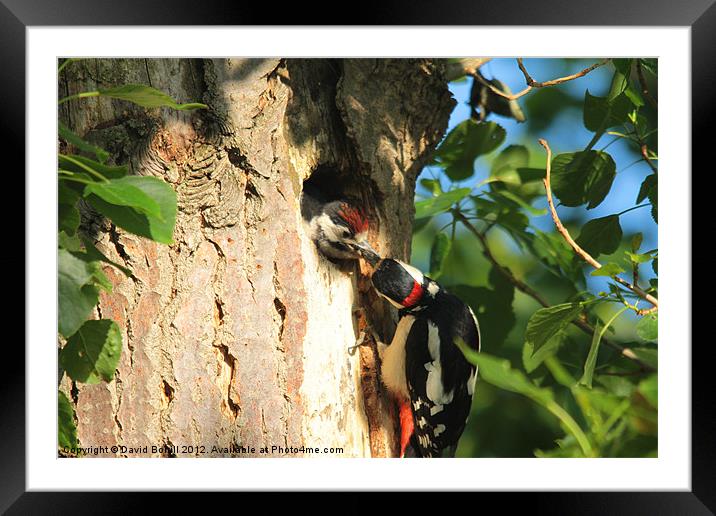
92, 354
620, 82
650, 188
600, 113
647, 185
66, 195
649, 356
485, 207
126, 192
545, 104
419, 224
638, 258
70, 242
433, 185
80, 164
66, 429
655, 265
532, 359
513, 220
515, 201
649, 388
98, 277
636, 241
545, 323
528, 175
601, 236
155, 228
146, 96
77, 291
617, 385
591, 361
439, 203
504, 166
438, 253
68, 218
651, 65
513, 156
492, 304
654, 200
634, 96
581, 177
71, 138
94, 254
558, 256
464, 144
608, 269
648, 327
498, 372
622, 65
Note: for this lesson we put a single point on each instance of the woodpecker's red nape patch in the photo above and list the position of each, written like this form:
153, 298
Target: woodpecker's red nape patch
406, 426
414, 295
355, 217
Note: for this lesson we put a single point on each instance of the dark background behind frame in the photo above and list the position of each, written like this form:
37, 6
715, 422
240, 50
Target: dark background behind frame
15, 15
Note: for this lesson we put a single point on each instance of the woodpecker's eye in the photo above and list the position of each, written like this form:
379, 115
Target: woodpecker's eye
346, 233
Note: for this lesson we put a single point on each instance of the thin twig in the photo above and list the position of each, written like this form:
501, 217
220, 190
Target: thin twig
645, 154
531, 83
520, 285
581, 252
560, 80
647, 311
524, 287
501, 93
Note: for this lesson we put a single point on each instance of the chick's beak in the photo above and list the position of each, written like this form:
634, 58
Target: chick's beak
367, 252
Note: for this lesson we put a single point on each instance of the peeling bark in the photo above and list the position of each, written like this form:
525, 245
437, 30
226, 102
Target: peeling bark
237, 334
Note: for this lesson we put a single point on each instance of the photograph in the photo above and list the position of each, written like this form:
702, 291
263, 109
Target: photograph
357, 257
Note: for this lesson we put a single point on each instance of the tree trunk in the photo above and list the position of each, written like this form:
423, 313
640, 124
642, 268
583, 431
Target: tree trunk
237, 334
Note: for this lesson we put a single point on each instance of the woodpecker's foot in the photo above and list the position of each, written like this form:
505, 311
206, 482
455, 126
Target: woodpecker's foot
362, 340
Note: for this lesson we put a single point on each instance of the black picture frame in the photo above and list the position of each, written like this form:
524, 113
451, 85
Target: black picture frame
700, 15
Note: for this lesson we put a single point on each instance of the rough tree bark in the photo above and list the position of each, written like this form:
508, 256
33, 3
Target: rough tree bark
238, 333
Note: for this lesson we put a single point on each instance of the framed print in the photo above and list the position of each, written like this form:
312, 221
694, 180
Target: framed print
327, 246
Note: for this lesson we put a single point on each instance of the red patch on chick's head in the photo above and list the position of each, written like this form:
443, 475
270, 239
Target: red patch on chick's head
354, 217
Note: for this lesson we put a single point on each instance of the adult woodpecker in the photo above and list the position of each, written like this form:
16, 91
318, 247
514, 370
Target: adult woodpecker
422, 367
338, 228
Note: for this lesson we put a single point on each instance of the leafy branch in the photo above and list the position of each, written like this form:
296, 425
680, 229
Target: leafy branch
603, 403
580, 322
577, 249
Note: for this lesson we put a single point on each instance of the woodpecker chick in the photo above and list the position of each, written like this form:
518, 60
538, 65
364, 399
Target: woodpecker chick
338, 228
423, 368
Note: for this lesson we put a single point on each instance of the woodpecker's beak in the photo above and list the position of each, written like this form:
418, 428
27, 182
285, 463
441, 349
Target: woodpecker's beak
367, 252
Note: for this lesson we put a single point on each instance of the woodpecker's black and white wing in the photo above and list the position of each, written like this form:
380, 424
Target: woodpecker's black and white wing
440, 381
